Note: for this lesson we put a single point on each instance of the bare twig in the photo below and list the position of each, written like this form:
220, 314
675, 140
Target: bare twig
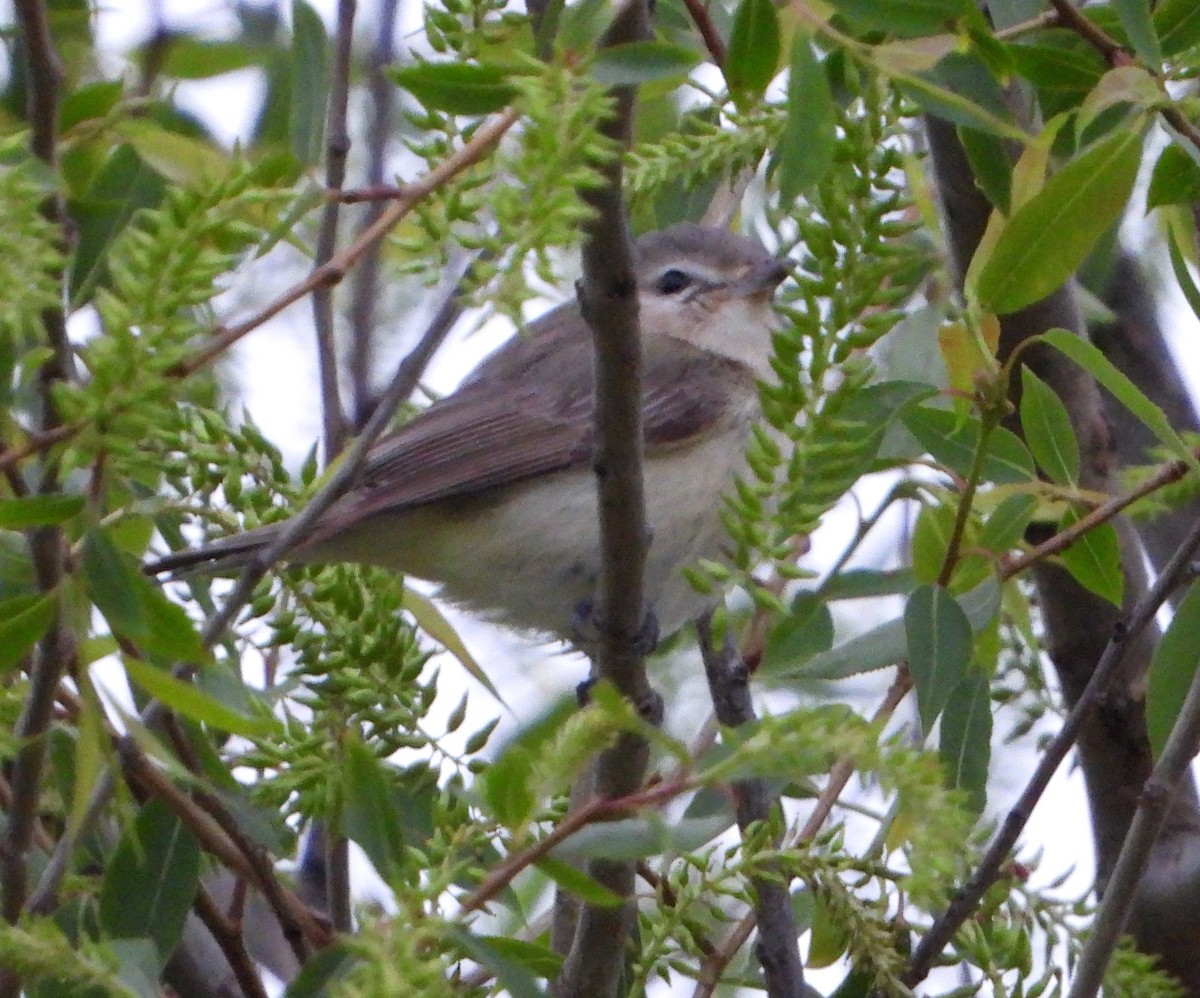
778, 940
228, 935
481, 142
337, 148
1107, 669
365, 283
708, 30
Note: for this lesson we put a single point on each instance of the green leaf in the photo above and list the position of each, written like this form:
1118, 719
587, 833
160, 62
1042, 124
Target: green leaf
186, 699
434, 623
1182, 274
1120, 387
38, 511
322, 971
965, 738
991, 166
309, 83
1049, 236
886, 643
754, 46
576, 882
909, 19
805, 149
1094, 560
646, 835
189, 58
457, 87
506, 787
828, 941
516, 964
1048, 430
1063, 76
1006, 526
633, 63
1173, 670
181, 158
953, 439
23, 620
133, 607
863, 583
1139, 26
1177, 23
939, 648
800, 634
150, 881
368, 816
1175, 180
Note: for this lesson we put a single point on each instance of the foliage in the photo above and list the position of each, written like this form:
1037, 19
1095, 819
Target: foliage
326, 694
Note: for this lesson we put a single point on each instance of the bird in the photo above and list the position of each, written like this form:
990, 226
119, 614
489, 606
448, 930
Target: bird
490, 492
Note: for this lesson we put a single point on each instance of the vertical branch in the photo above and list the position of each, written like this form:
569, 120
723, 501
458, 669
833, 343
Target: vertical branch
608, 298
336, 150
337, 849
778, 941
57, 648
365, 287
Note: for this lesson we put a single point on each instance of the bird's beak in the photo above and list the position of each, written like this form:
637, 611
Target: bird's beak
761, 280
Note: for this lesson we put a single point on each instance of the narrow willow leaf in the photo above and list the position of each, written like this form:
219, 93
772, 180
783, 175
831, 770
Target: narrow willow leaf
1139, 26
1094, 560
754, 47
643, 62
506, 787
646, 835
309, 83
457, 87
368, 816
323, 970
23, 619
434, 623
965, 739
805, 149
906, 20
1049, 236
1177, 23
37, 511
991, 166
953, 439
576, 882
1048, 431
939, 648
516, 964
886, 643
1173, 670
151, 880
803, 632
1182, 274
1120, 387
829, 940
1175, 180
1004, 529
194, 703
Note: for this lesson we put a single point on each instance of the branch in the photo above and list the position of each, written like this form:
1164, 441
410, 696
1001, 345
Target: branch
229, 937
608, 299
480, 143
337, 148
708, 31
778, 939
1108, 669
365, 286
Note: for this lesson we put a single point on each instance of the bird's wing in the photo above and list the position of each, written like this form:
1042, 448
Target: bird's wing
532, 417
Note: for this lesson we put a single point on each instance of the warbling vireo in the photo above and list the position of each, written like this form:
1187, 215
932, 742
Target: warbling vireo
490, 491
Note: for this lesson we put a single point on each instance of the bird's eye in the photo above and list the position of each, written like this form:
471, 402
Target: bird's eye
673, 281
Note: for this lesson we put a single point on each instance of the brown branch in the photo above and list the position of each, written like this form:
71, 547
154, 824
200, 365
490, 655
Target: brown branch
481, 142
365, 285
1107, 670
228, 936
778, 946
1070, 17
337, 148
708, 30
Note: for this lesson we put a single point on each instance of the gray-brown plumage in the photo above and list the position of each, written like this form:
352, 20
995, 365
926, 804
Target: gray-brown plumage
490, 490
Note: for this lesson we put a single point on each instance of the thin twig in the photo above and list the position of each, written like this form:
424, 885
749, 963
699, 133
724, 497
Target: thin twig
1107, 670
364, 292
228, 936
337, 148
481, 142
708, 31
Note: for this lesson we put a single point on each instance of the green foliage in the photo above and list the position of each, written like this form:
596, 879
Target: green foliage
30, 256
40, 952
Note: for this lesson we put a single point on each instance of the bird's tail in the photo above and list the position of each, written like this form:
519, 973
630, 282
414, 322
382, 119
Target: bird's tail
213, 559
